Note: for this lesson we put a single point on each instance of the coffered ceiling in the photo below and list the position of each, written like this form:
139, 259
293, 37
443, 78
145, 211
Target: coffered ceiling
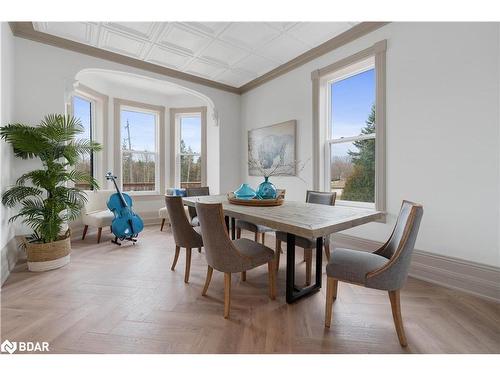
232, 53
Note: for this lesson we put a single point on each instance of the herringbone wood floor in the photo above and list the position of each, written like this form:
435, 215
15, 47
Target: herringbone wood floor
125, 299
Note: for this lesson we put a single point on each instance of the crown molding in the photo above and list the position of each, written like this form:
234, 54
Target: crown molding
25, 30
348, 36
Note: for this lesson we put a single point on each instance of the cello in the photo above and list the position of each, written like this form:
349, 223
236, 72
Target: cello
126, 224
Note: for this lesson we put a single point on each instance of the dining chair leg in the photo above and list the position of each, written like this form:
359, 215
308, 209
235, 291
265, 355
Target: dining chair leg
271, 269
227, 294
188, 265
176, 256
244, 276
199, 249
99, 232
331, 294
210, 270
277, 253
394, 296
327, 247
256, 237
263, 238
308, 256
162, 224
85, 229
238, 233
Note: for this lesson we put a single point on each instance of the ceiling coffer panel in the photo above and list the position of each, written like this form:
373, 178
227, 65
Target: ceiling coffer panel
232, 53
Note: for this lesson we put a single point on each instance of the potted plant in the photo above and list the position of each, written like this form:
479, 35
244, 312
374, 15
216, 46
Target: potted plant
46, 203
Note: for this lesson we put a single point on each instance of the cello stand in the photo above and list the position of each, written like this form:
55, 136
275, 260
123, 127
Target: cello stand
115, 241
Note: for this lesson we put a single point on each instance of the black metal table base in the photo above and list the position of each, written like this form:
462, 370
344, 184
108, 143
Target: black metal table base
293, 293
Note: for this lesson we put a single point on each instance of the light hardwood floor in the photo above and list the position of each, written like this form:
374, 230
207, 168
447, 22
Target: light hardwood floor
125, 299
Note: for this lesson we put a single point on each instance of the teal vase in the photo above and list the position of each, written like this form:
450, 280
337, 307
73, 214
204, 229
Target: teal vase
244, 192
267, 190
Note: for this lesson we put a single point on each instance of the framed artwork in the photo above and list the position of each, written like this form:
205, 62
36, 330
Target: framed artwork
272, 148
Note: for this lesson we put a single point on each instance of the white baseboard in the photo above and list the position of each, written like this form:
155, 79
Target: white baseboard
470, 277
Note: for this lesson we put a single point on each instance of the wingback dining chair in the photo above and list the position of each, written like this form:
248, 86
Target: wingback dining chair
185, 235
194, 192
308, 244
385, 269
256, 229
230, 256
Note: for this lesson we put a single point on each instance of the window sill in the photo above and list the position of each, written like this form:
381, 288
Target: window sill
355, 204
143, 194
366, 205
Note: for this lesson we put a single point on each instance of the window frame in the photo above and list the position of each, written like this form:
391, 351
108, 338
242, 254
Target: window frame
99, 125
159, 112
339, 75
321, 80
175, 156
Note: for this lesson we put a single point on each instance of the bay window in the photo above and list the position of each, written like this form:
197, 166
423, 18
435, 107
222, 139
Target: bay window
139, 128
189, 147
83, 110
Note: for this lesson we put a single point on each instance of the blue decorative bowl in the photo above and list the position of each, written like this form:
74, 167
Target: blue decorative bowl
267, 190
245, 192
181, 192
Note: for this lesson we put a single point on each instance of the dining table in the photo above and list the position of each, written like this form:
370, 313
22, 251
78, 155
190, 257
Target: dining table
309, 220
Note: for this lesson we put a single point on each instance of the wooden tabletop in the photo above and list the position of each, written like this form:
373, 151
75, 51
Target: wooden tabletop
302, 219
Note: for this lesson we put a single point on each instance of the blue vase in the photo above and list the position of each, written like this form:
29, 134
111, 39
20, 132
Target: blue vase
244, 192
267, 190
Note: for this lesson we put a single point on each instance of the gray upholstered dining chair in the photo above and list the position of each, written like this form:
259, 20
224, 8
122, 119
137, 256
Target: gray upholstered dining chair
308, 244
194, 192
185, 235
256, 229
385, 269
230, 256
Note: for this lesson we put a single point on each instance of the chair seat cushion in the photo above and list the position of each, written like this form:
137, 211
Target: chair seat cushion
195, 222
98, 219
256, 253
163, 213
353, 265
306, 243
255, 228
197, 229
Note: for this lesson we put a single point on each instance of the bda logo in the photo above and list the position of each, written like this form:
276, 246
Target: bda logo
8, 346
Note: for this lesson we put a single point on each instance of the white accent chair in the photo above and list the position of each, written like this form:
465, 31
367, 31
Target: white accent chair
163, 214
96, 213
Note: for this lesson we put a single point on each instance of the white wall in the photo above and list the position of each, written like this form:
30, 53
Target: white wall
442, 131
8, 251
44, 73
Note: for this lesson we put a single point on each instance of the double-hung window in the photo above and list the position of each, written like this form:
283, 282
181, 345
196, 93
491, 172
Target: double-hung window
189, 133
349, 128
138, 129
139, 134
83, 110
351, 134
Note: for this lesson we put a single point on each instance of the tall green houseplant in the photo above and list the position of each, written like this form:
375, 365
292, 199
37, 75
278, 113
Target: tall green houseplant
46, 202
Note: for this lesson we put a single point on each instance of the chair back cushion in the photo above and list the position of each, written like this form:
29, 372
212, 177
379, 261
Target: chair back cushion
219, 249
184, 234
195, 192
398, 249
96, 200
321, 197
